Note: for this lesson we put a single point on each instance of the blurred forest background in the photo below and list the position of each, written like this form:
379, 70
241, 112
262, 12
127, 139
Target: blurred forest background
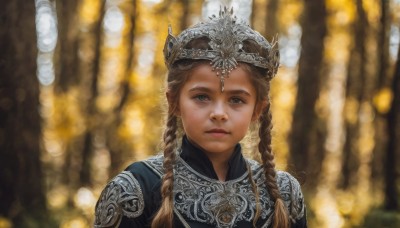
81, 97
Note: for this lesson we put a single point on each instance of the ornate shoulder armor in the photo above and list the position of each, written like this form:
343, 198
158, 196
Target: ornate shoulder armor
291, 193
121, 197
155, 163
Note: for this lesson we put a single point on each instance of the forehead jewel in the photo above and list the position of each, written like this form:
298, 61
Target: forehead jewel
227, 36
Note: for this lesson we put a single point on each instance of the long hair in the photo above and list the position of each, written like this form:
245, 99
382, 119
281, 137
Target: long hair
177, 76
262, 87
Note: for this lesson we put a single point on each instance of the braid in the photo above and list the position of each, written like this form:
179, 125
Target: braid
280, 218
257, 195
177, 77
164, 216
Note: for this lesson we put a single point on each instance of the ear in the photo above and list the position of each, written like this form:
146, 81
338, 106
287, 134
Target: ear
258, 110
172, 107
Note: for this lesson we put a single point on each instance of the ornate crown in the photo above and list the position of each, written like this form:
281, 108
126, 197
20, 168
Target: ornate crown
226, 37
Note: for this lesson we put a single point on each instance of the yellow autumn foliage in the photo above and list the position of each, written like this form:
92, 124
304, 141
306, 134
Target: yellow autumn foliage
142, 116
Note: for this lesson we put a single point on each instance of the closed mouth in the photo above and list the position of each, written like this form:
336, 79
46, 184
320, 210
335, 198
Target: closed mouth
220, 131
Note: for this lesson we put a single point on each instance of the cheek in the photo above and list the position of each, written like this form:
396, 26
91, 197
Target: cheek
191, 115
251, 117
244, 118
191, 122
186, 109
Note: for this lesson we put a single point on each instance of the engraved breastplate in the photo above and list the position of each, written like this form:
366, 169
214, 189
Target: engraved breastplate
210, 201
220, 204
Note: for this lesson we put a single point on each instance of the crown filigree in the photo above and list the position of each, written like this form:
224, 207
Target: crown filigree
227, 37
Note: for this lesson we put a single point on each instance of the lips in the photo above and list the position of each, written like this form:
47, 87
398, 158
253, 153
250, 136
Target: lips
217, 131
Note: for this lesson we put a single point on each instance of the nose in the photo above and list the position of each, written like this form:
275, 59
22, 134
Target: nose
218, 112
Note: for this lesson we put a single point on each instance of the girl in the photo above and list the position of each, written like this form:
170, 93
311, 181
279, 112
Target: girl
218, 84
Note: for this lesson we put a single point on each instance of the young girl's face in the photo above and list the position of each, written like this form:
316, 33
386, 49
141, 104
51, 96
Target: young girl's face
213, 120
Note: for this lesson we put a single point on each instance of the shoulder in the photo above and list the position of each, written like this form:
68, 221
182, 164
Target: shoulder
149, 169
155, 164
288, 186
122, 196
127, 194
291, 193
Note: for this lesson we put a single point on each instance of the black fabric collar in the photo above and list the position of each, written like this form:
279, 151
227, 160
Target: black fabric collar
198, 160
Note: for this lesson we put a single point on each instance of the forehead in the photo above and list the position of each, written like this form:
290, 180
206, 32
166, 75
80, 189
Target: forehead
204, 76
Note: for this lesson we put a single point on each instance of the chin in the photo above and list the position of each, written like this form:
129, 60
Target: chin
217, 149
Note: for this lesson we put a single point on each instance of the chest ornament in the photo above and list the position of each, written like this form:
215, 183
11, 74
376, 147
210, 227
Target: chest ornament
221, 204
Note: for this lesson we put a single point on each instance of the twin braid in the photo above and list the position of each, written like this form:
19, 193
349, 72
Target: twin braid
281, 218
257, 196
164, 216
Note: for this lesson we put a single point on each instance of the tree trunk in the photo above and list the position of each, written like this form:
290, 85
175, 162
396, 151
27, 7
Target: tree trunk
67, 75
119, 152
253, 14
307, 137
68, 70
393, 148
382, 82
357, 80
185, 14
21, 191
91, 123
383, 45
271, 21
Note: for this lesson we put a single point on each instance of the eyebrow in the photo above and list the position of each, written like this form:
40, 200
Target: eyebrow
239, 92
200, 88
208, 90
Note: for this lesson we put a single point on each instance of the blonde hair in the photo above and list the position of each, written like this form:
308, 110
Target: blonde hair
177, 76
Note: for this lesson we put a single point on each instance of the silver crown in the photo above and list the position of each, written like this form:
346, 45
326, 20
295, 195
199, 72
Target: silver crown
226, 35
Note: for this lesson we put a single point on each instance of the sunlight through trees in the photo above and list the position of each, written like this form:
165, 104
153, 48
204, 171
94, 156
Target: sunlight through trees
81, 97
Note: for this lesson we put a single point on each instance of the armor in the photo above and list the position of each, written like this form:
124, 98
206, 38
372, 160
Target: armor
200, 200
